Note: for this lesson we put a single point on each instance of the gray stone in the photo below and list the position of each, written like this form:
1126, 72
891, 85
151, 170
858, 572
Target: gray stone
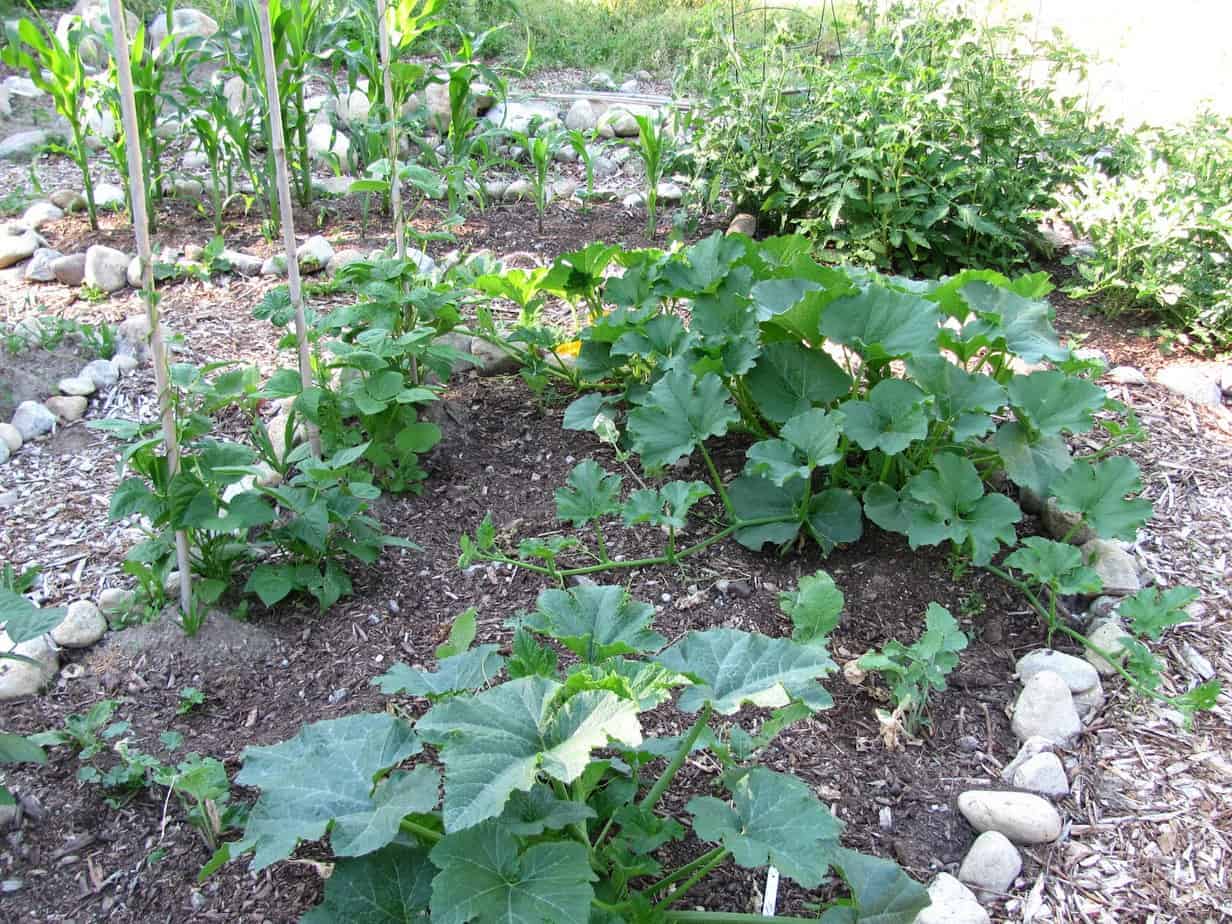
124, 362
334, 185
354, 107
581, 116
1042, 774
40, 214
604, 167
1077, 673
1030, 747
1107, 636
76, 385
669, 192
31, 419
186, 23
518, 189
21, 146
83, 625
314, 254
1192, 383
68, 200
195, 160
424, 264
5, 452
275, 265
24, 87
116, 600
69, 270
326, 143
102, 372
1022, 817
1125, 375
629, 86
618, 123
187, 188
494, 190
21, 678
1088, 702
1065, 526
343, 257
743, 223
1045, 708
133, 275
242, 263
991, 864
564, 189
11, 437
1116, 568
106, 268
491, 360
519, 116
1103, 607
17, 244
67, 407
951, 902
109, 196
602, 80
133, 337
39, 269
634, 200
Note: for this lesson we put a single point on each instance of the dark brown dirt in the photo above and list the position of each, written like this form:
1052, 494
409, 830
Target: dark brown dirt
31, 374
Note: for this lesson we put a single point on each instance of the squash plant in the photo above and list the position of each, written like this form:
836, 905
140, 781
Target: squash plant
535, 792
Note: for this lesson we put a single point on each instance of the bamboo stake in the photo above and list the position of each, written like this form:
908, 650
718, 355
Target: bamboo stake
141, 230
395, 183
279, 147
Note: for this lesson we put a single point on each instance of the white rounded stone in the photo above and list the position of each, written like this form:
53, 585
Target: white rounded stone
1046, 708
1107, 636
115, 600
1078, 674
67, 407
83, 625
991, 865
77, 385
102, 372
11, 437
314, 254
951, 903
1042, 774
1022, 817
106, 268
21, 678
31, 419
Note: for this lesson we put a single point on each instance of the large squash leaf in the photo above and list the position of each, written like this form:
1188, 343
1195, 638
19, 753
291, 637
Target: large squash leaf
1098, 492
1053, 402
953, 505
881, 893
772, 819
679, 413
883, 324
595, 622
499, 741
390, 886
588, 494
469, 670
894, 416
789, 378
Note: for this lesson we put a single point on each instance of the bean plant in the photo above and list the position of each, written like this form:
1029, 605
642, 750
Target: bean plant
553, 808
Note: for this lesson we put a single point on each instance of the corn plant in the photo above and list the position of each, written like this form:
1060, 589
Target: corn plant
541, 149
56, 69
652, 139
579, 141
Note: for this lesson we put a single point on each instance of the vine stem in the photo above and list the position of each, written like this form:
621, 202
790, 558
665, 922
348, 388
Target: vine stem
418, 830
718, 482
702, 871
727, 917
685, 870
686, 746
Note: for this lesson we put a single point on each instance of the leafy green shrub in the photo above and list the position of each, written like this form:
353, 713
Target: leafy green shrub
552, 810
1160, 222
926, 151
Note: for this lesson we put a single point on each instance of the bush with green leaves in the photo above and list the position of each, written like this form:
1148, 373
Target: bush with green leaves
553, 789
932, 147
1159, 219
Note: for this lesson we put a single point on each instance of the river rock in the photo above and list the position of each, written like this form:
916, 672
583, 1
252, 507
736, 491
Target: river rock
76, 385
581, 116
1046, 708
951, 902
1032, 746
22, 146
1042, 774
133, 339
1077, 673
618, 123
743, 223
991, 865
106, 268
275, 265
186, 23
343, 257
1107, 636
491, 360
69, 270
1063, 525
1192, 383
518, 116
11, 437
102, 372
669, 192
31, 419
5, 452
39, 269
21, 678
83, 625
18, 243
40, 214
326, 143
1116, 568
1125, 375
314, 254
242, 263
114, 601
67, 407
109, 196
1022, 817
1089, 702
518, 189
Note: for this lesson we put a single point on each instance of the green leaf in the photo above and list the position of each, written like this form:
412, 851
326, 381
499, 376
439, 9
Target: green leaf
23, 620
730, 668
466, 671
393, 885
1054, 403
1054, 564
816, 433
1149, 612
776, 461
1097, 492
789, 378
588, 494
531, 813
754, 497
773, 819
894, 416
133, 496
953, 505
417, 437
529, 658
883, 324
888, 508
461, 634
834, 517
595, 622
881, 892
1031, 461
283, 384
938, 646
498, 741
678, 413
1020, 325
814, 608
271, 582
323, 780
960, 398
484, 878
17, 749
581, 413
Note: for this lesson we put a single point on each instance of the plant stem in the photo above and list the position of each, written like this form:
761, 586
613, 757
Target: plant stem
419, 831
603, 557
693, 880
686, 746
684, 871
727, 917
718, 482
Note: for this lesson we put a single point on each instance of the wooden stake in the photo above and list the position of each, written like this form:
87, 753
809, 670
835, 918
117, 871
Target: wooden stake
279, 147
141, 230
395, 183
